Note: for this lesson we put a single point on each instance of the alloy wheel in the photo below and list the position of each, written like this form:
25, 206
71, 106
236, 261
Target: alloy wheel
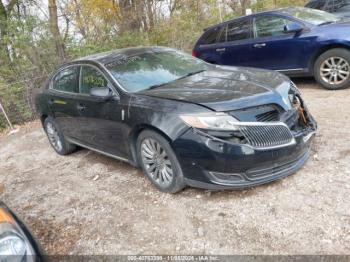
53, 136
156, 162
335, 70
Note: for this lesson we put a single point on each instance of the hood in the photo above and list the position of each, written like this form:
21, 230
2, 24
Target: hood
336, 32
340, 27
228, 88
344, 23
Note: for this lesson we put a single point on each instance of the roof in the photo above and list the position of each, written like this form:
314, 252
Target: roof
107, 57
246, 16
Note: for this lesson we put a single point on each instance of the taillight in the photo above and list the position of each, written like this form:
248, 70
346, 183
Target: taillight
194, 54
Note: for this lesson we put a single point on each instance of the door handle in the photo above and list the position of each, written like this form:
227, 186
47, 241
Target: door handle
81, 107
221, 50
259, 45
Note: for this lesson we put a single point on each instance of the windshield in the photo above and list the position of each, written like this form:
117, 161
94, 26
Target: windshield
312, 16
317, 4
152, 69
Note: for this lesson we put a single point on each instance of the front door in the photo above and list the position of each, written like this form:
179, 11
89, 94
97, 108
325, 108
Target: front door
274, 49
101, 123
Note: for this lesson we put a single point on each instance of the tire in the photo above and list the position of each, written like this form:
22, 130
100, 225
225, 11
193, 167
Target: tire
335, 61
53, 132
155, 153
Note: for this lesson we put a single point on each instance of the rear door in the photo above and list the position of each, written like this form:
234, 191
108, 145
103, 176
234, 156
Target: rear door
62, 94
236, 51
209, 46
274, 49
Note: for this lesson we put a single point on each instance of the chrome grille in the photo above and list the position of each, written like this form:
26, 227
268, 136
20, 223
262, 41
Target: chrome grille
267, 135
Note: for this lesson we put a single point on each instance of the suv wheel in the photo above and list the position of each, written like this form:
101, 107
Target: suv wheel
332, 69
56, 137
159, 162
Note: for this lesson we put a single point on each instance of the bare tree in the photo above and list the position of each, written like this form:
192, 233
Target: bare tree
53, 18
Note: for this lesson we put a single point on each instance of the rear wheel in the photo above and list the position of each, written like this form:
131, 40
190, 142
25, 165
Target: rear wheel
159, 162
332, 69
56, 138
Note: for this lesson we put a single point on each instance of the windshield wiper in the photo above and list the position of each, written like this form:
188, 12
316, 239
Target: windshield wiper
327, 23
182, 77
191, 74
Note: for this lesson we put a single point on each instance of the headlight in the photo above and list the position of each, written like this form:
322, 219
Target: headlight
293, 95
14, 244
294, 87
211, 121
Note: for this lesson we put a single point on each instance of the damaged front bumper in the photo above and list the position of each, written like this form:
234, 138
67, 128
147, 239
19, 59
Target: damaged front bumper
215, 163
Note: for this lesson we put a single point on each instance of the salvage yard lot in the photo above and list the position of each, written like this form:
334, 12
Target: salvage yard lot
87, 203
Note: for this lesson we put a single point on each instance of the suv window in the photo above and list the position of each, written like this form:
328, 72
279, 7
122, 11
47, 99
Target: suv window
67, 80
329, 6
318, 4
91, 77
270, 26
212, 36
222, 34
238, 30
338, 4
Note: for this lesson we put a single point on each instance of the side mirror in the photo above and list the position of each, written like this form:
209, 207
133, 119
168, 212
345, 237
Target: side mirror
103, 93
293, 28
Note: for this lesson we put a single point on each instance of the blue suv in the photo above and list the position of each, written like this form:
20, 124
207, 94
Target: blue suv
295, 41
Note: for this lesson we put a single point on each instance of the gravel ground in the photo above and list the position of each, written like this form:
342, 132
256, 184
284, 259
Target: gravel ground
87, 203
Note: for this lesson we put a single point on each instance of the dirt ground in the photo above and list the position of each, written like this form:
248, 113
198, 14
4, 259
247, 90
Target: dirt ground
87, 203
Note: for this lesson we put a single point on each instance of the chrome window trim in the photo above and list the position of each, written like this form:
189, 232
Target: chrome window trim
115, 92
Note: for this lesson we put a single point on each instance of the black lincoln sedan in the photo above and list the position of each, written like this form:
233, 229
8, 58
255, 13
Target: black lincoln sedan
183, 121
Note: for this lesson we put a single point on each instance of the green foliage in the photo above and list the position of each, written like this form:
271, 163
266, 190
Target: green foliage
262, 5
28, 50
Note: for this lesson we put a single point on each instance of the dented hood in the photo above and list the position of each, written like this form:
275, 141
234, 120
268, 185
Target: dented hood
228, 88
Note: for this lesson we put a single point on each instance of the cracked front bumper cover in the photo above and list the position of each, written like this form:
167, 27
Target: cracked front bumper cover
216, 164
251, 178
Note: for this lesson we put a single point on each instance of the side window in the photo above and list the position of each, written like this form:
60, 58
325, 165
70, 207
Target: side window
67, 80
318, 4
222, 34
266, 26
338, 4
330, 6
212, 36
91, 77
238, 30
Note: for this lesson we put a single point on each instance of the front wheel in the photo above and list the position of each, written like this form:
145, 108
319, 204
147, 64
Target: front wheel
159, 162
332, 69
